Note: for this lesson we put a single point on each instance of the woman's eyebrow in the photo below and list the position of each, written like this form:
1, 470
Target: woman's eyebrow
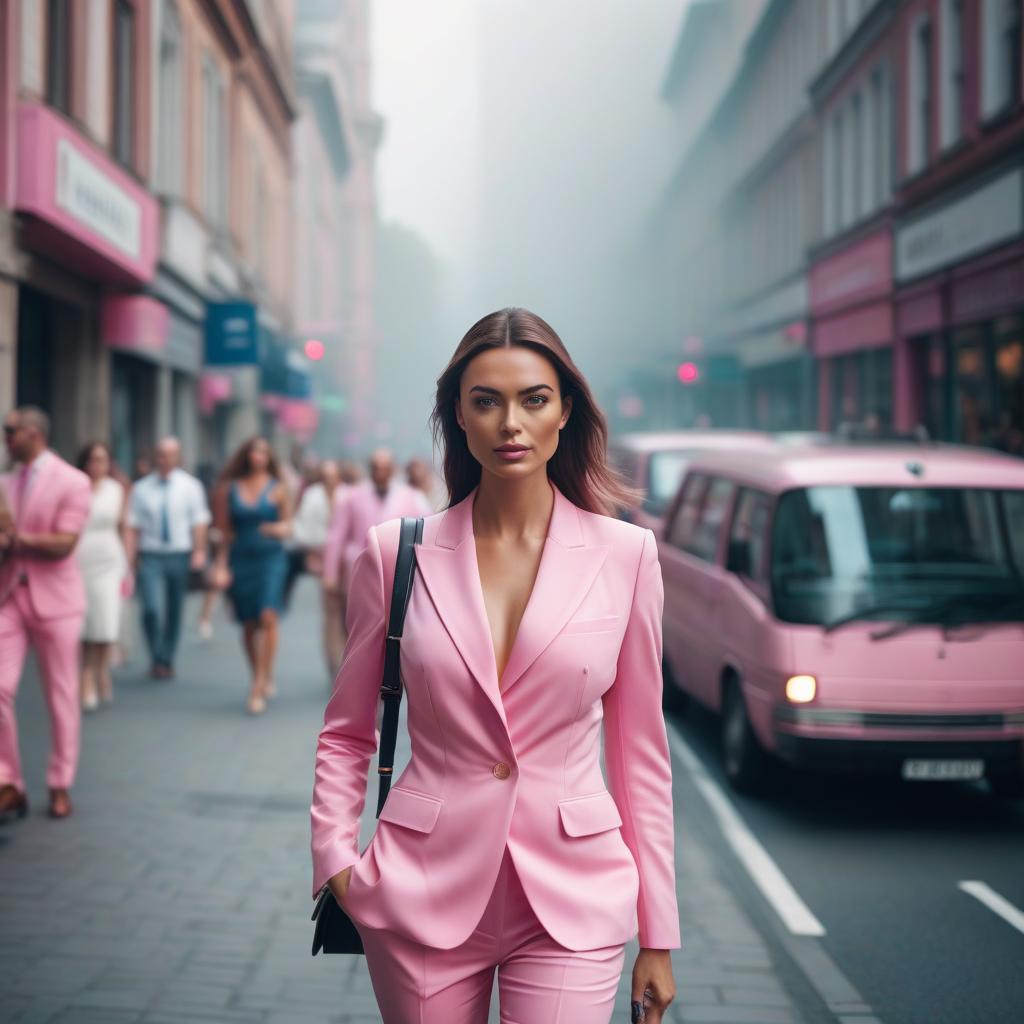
524, 391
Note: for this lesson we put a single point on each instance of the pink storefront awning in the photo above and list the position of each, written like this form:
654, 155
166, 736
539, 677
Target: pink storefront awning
134, 323
214, 388
84, 210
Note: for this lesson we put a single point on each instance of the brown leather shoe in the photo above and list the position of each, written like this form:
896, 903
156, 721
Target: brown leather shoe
60, 803
13, 804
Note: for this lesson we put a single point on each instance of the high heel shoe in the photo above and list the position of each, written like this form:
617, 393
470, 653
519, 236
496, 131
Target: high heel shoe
256, 704
90, 703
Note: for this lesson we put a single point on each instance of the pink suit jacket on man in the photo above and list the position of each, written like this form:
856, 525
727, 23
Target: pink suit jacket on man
358, 508
57, 501
516, 766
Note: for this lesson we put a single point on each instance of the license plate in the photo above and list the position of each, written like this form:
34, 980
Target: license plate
931, 769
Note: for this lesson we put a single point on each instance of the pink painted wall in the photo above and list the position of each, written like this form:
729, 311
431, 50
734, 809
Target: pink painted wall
39, 131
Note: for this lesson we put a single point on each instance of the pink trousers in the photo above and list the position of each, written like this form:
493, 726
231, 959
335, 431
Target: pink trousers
539, 981
55, 642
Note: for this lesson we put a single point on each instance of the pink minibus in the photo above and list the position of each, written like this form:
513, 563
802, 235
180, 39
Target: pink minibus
852, 607
655, 461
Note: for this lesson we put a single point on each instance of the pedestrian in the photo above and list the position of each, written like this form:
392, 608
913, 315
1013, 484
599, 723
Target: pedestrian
366, 504
311, 523
104, 565
252, 509
43, 604
166, 538
534, 624
207, 476
420, 474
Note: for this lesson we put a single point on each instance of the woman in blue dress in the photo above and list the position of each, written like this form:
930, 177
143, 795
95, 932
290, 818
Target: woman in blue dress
252, 509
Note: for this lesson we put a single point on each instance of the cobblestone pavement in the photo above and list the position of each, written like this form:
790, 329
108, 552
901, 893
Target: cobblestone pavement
179, 891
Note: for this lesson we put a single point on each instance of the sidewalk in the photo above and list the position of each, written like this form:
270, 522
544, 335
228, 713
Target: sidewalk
179, 891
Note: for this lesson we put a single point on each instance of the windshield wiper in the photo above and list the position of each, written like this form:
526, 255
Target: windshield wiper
867, 611
953, 613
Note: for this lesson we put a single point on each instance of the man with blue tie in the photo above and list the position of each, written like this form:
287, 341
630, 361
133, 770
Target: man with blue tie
167, 522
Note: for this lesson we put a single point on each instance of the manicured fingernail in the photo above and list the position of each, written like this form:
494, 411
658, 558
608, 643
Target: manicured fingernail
637, 1013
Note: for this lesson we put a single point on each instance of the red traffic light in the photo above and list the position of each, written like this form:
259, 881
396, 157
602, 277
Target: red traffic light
687, 373
314, 350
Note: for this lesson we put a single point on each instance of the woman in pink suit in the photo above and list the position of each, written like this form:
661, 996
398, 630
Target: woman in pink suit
534, 625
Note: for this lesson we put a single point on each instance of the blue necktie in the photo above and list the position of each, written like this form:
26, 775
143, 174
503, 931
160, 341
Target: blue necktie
165, 522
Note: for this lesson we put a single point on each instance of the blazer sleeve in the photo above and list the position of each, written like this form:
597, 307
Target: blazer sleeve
637, 757
72, 510
350, 734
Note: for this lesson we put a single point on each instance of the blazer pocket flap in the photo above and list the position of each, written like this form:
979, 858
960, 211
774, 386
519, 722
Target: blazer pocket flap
608, 622
585, 815
413, 810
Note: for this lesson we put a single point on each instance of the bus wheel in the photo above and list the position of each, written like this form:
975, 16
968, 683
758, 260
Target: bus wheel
747, 765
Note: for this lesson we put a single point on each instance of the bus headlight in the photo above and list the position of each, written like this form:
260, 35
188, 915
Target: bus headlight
801, 689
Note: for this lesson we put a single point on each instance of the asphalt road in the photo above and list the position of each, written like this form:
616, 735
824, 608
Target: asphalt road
879, 864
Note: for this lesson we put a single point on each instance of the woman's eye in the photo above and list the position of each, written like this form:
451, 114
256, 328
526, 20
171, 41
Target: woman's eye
540, 400
482, 402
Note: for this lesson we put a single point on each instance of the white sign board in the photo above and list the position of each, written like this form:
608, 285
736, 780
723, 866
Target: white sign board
88, 195
976, 221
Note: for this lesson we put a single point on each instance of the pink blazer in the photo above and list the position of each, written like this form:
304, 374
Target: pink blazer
521, 766
57, 502
358, 508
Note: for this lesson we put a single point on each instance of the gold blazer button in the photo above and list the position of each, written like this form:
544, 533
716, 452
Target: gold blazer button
501, 770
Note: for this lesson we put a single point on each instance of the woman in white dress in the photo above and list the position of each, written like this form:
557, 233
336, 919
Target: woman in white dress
101, 557
310, 534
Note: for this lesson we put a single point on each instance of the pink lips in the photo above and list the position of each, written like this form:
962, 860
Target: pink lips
511, 453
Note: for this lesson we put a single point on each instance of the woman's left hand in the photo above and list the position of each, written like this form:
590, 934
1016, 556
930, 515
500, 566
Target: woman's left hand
653, 985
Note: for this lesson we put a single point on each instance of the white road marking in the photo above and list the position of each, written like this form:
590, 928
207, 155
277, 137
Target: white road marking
766, 874
996, 903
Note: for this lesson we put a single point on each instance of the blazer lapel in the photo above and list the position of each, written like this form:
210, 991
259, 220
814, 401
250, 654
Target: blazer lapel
448, 568
568, 568
37, 485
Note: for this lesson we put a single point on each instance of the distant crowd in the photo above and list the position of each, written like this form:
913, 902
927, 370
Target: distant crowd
78, 542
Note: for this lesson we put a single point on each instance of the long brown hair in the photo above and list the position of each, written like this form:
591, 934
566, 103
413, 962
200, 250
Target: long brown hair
85, 454
579, 468
238, 465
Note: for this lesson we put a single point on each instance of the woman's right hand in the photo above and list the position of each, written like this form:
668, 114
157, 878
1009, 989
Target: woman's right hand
220, 577
339, 885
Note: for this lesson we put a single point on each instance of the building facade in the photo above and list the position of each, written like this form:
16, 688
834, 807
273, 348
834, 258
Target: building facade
895, 201
743, 209
145, 195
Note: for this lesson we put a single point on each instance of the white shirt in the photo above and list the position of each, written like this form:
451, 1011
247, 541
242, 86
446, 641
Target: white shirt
309, 527
186, 508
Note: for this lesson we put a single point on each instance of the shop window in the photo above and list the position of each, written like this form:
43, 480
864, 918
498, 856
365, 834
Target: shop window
58, 54
861, 395
1008, 340
124, 81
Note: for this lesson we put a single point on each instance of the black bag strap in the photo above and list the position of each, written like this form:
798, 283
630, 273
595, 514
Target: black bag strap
391, 685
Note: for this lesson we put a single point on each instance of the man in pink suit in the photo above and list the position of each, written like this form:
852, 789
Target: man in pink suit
42, 603
367, 504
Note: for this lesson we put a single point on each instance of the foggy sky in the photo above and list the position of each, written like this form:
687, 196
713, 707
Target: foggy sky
526, 143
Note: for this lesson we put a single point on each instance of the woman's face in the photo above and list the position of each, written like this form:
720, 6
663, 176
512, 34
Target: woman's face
511, 409
98, 463
259, 456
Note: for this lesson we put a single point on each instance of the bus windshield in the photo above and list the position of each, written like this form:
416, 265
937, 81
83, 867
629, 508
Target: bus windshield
926, 554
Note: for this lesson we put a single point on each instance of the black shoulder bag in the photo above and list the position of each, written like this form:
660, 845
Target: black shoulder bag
334, 931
